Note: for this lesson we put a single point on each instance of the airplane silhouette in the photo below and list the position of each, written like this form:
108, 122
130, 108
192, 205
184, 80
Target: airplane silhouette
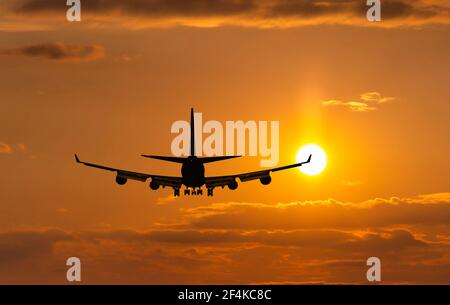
192, 172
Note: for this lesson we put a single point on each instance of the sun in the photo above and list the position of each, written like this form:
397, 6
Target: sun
318, 159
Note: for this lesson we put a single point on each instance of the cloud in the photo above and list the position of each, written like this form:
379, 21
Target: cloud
368, 102
300, 242
62, 210
20, 245
352, 105
375, 97
386, 241
125, 58
151, 8
194, 256
376, 213
15, 148
165, 200
59, 52
254, 13
390, 8
21, 147
5, 148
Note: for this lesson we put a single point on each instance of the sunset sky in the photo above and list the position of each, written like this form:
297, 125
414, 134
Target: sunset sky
374, 96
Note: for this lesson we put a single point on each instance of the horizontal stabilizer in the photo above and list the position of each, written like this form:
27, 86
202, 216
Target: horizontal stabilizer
164, 158
214, 159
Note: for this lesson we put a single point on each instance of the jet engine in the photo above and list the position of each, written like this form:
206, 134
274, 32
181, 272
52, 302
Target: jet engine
121, 180
233, 185
154, 186
265, 180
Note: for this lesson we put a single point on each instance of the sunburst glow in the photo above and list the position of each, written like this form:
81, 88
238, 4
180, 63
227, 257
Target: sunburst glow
318, 159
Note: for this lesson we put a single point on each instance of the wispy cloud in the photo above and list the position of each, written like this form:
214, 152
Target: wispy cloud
59, 52
351, 105
8, 148
5, 148
375, 97
368, 101
165, 200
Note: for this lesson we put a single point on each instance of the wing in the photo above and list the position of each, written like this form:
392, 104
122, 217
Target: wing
123, 175
263, 175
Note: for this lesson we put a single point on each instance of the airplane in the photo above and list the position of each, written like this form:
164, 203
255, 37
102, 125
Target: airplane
192, 172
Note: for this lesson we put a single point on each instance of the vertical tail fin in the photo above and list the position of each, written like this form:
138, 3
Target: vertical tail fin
192, 133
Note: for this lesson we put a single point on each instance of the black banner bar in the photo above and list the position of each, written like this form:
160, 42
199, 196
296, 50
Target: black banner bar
223, 294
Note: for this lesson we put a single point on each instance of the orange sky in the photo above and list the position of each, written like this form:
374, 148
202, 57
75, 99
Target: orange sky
109, 88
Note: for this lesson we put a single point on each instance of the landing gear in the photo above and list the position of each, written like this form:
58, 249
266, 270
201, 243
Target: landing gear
176, 192
188, 192
192, 191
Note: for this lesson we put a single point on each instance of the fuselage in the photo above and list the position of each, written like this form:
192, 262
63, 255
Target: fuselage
193, 172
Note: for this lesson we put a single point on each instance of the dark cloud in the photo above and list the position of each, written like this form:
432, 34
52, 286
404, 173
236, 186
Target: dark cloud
261, 244
59, 52
309, 9
194, 256
147, 7
19, 245
387, 241
324, 214
168, 236
264, 13
392, 9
